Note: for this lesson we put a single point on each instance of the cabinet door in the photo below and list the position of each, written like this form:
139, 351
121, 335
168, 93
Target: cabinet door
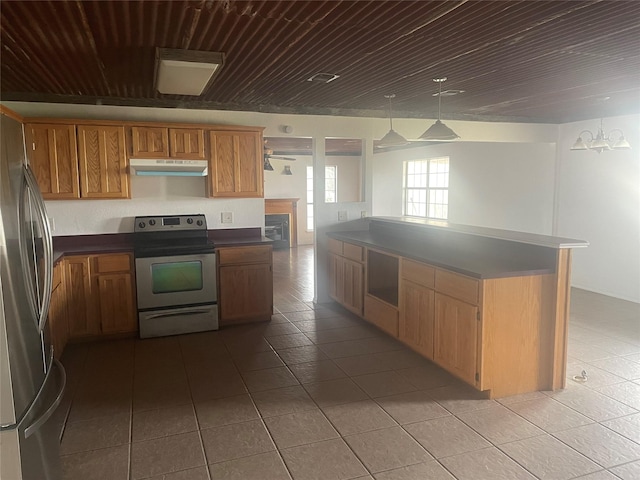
186, 143
353, 286
336, 277
58, 321
150, 142
52, 154
103, 164
417, 312
84, 317
236, 164
456, 337
246, 293
117, 308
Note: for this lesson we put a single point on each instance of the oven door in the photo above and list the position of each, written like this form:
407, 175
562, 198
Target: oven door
170, 281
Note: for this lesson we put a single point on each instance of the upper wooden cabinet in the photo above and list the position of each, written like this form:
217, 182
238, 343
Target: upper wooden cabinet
236, 164
187, 143
163, 142
52, 153
103, 163
149, 142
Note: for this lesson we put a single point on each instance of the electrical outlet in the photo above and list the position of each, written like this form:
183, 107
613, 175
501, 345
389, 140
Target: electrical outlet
363, 214
342, 216
226, 217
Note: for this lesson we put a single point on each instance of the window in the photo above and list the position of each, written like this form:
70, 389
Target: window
426, 188
330, 190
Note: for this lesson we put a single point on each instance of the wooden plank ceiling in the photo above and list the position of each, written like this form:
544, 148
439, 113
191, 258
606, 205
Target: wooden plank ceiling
523, 61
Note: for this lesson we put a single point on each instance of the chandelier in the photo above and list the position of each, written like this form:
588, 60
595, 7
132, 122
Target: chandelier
601, 142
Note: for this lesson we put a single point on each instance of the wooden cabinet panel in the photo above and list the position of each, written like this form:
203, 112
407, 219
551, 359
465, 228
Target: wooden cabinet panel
417, 317
103, 163
150, 142
58, 318
52, 154
243, 255
456, 337
353, 286
457, 286
84, 318
113, 263
236, 164
419, 273
246, 293
353, 252
245, 284
186, 143
336, 278
115, 297
381, 314
334, 246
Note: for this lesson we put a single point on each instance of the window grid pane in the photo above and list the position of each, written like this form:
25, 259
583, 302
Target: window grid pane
426, 184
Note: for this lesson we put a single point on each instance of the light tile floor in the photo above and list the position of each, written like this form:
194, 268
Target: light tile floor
320, 394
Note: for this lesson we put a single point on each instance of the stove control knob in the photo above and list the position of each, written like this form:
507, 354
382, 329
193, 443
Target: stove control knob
152, 222
199, 223
189, 221
142, 225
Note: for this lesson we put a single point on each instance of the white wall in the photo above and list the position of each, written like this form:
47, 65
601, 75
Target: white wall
598, 199
499, 185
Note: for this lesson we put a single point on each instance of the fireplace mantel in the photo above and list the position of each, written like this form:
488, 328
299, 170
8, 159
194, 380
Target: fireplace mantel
286, 206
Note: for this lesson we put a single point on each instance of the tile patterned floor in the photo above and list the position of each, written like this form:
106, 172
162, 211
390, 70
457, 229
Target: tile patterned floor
320, 394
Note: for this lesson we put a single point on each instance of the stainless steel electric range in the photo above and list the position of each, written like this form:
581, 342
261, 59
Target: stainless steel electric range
175, 275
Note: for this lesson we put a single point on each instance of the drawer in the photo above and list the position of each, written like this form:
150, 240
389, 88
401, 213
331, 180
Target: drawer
243, 255
457, 286
381, 314
334, 246
113, 263
353, 252
419, 273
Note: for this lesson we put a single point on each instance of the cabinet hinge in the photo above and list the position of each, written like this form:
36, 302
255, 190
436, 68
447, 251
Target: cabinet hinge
478, 315
477, 377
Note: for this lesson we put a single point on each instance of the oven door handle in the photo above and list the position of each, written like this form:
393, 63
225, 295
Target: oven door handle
178, 314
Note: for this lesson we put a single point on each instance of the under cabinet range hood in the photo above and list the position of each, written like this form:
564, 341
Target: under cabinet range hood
168, 167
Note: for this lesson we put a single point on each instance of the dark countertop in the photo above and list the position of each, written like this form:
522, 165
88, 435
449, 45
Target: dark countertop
123, 242
476, 257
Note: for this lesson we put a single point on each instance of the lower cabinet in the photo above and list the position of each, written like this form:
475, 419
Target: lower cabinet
245, 284
416, 324
346, 275
100, 295
58, 319
456, 337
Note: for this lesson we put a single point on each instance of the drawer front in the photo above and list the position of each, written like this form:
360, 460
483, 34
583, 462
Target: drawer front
334, 246
113, 263
381, 314
418, 273
457, 286
353, 252
244, 255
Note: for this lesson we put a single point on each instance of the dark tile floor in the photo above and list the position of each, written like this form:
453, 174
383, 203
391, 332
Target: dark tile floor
319, 394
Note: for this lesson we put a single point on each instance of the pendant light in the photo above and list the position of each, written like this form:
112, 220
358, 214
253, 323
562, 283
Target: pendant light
392, 138
439, 131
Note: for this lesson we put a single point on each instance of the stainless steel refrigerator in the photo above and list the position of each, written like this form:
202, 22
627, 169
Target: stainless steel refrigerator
31, 381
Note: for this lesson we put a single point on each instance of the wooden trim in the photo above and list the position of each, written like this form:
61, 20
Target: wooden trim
561, 318
128, 123
11, 114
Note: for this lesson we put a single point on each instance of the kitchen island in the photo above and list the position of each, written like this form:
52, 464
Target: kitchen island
490, 306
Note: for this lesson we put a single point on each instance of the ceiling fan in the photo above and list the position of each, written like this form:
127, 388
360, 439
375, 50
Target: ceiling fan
268, 156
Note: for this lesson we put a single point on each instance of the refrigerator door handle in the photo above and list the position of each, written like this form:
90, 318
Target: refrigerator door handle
37, 423
39, 303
